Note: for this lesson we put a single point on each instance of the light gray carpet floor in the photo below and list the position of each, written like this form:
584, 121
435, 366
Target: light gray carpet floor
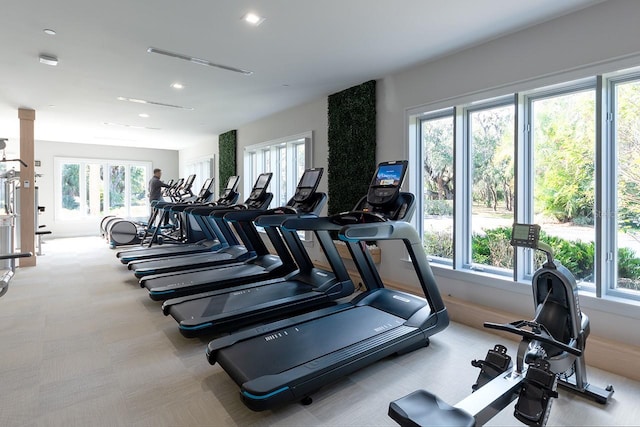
82, 345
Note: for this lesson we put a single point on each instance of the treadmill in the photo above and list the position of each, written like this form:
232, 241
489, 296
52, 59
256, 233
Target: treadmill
210, 244
197, 227
230, 251
304, 289
180, 194
264, 266
287, 360
192, 228
228, 198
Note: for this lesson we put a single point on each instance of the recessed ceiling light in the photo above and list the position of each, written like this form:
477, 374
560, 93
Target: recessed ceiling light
177, 85
49, 32
253, 19
51, 106
143, 115
198, 61
160, 104
48, 60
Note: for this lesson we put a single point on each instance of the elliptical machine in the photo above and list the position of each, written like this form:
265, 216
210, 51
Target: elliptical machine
551, 353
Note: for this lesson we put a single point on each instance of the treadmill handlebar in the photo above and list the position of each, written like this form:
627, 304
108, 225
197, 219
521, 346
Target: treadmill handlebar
205, 210
310, 224
388, 230
276, 220
182, 207
240, 209
235, 215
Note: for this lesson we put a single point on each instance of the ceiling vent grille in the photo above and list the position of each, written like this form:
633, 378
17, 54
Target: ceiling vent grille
198, 61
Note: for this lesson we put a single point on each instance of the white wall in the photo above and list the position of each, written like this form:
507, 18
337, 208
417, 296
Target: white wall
198, 152
309, 117
598, 39
45, 151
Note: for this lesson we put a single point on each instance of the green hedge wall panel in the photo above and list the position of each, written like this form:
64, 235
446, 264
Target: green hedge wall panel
226, 157
352, 145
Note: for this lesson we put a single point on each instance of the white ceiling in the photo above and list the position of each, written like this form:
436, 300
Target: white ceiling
304, 49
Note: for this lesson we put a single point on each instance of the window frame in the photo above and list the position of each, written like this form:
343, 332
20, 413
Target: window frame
254, 161
106, 164
465, 261
608, 217
199, 166
529, 97
416, 174
606, 175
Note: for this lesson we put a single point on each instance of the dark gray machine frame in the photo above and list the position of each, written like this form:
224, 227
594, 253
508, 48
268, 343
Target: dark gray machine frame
306, 288
287, 360
132, 255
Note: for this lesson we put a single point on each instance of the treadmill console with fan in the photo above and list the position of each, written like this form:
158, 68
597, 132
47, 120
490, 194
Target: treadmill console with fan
260, 186
386, 183
287, 360
308, 184
231, 188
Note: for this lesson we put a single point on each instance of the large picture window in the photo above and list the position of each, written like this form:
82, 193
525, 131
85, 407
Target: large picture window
566, 157
286, 158
624, 116
563, 139
95, 188
490, 177
436, 140
202, 168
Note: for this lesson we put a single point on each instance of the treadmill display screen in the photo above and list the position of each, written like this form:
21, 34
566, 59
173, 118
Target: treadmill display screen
208, 184
262, 181
308, 184
232, 182
310, 178
389, 175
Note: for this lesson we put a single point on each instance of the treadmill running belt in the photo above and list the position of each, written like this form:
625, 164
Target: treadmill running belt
194, 278
192, 260
302, 343
250, 297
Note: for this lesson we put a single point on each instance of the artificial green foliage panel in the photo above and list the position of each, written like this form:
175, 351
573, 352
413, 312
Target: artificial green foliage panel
226, 157
352, 145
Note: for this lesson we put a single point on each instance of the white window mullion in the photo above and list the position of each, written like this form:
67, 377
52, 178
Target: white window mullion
127, 189
291, 169
107, 188
83, 188
464, 192
524, 181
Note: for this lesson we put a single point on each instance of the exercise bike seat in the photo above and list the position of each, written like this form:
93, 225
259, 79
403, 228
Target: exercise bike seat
422, 408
